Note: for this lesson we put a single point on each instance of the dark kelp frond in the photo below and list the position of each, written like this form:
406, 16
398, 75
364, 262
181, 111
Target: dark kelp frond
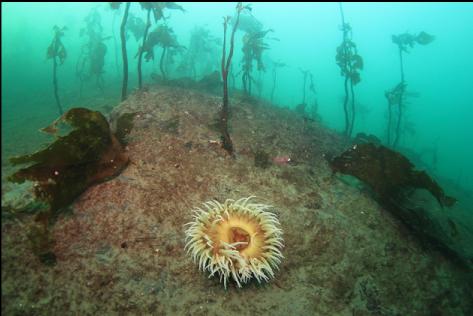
136, 26
407, 40
387, 172
64, 169
88, 154
424, 38
56, 48
115, 5
349, 61
404, 192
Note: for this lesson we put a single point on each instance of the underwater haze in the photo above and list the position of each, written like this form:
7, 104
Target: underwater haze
394, 75
306, 36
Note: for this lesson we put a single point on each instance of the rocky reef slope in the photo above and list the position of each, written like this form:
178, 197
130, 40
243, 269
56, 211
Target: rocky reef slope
121, 248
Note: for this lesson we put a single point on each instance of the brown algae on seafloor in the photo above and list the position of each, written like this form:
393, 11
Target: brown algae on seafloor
88, 154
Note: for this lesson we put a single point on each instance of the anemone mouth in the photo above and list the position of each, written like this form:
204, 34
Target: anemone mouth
237, 239
240, 237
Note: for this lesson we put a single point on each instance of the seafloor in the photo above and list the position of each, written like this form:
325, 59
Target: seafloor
121, 249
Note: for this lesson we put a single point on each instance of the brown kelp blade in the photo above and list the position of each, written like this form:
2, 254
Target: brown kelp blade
90, 153
424, 38
387, 172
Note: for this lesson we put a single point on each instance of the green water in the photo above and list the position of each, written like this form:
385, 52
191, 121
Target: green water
308, 35
438, 130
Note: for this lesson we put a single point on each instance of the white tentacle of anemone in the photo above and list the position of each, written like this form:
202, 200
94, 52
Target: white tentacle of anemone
237, 239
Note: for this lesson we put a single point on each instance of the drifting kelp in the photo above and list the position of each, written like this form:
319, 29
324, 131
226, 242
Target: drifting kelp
157, 9
305, 75
246, 22
116, 6
276, 66
200, 53
350, 63
407, 40
227, 143
144, 35
57, 50
253, 47
92, 56
163, 36
312, 107
387, 172
136, 26
396, 96
87, 155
